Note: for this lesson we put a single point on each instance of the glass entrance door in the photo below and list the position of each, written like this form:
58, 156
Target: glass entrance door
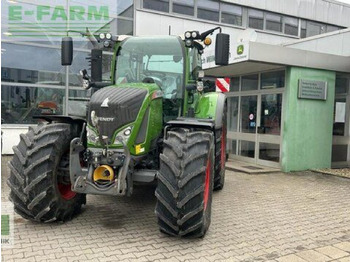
256, 136
255, 118
341, 123
269, 129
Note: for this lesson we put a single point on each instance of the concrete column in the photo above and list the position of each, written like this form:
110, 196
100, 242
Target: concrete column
308, 124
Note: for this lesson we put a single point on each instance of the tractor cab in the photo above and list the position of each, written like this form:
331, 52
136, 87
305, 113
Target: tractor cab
154, 60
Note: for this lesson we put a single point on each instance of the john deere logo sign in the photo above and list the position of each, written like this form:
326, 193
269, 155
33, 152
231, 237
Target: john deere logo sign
240, 49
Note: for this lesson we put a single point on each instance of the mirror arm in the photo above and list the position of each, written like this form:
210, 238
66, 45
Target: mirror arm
99, 84
198, 46
92, 38
206, 33
191, 87
89, 36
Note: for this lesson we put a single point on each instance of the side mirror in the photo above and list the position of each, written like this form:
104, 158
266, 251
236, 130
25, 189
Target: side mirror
222, 49
96, 65
66, 51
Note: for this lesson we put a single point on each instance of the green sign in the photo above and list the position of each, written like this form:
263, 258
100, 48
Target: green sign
240, 49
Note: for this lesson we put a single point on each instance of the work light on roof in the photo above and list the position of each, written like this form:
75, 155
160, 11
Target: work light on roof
106, 43
188, 42
102, 36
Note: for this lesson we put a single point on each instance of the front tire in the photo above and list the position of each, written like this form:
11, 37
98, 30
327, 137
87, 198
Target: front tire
185, 183
39, 182
220, 153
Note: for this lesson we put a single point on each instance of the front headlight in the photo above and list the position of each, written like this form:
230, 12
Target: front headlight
92, 136
124, 135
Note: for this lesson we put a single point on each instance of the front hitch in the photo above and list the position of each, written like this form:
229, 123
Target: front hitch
81, 178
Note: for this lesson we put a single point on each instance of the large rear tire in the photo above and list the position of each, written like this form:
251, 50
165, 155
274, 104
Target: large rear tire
185, 183
220, 153
39, 175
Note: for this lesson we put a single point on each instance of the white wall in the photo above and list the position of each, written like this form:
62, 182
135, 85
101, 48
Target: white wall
334, 43
149, 23
326, 11
10, 137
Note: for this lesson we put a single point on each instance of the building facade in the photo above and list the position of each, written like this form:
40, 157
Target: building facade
32, 74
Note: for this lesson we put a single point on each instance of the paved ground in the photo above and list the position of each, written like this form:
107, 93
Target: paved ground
342, 172
270, 217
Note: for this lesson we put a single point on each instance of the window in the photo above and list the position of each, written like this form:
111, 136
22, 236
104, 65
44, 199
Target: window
249, 109
125, 8
313, 29
273, 22
247, 149
339, 117
291, 26
158, 58
231, 14
250, 82
124, 27
272, 80
185, 7
234, 84
310, 28
256, 19
331, 28
208, 10
303, 29
20, 103
232, 113
39, 65
270, 152
158, 5
339, 153
270, 116
232, 146
119, 26
341, 85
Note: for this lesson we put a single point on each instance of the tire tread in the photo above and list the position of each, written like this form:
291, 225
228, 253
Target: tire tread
32, 186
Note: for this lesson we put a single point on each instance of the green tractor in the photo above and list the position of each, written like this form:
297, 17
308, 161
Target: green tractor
153, 122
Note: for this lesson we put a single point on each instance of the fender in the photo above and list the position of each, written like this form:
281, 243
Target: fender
77, 123
61, 119
211, 106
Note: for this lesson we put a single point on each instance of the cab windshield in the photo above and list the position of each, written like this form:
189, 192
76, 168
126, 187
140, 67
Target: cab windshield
152, 59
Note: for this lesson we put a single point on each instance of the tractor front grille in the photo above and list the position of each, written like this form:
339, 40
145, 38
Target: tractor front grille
116, 107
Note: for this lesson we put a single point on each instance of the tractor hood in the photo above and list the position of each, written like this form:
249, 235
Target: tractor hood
115, 107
